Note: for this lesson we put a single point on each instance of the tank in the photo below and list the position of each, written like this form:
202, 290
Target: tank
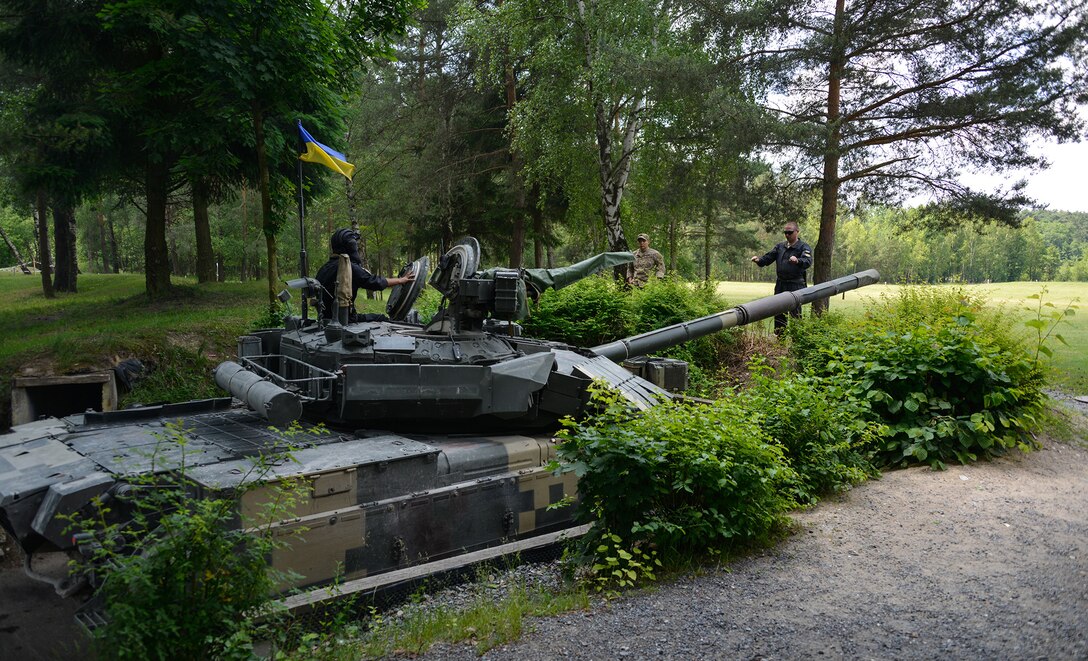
416, 441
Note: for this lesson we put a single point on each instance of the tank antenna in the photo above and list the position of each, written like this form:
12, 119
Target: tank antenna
303, 266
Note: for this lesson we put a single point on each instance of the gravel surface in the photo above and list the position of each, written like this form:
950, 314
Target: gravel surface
988, 561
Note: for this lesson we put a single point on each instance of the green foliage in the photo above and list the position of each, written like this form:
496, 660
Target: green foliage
271, 317
485, 622
587, 313
180, 578
826, 434
1048, 317
619, 567
174, 374
684, 477
598, 310
670, 301
950, 379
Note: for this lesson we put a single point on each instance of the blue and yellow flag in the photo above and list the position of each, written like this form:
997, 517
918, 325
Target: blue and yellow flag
319, 153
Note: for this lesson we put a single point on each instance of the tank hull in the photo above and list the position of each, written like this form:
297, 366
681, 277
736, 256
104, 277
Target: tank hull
372, 501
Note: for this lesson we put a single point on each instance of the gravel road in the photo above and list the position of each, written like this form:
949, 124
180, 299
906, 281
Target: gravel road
988, 561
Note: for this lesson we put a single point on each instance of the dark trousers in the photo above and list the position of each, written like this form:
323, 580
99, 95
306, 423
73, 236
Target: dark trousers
779, 287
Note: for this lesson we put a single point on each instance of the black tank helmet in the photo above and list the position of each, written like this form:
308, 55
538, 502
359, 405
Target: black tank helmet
345, 242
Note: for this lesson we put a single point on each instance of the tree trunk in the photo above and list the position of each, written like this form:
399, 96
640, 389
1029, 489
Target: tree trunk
613, 176
103, 237
268, 223
706, 239
14, 251
176, 267
205, 258
829, 206
156, 257
538, 234
514, 165
673, 241
64, 244
114, 254
41, 213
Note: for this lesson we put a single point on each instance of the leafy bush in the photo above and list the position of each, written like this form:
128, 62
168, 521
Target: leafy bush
669, 301
587, 313
952, 381
685, 477
598, 310
825, 433
812, 339
619, 567
271, 316
174, 374
180, 579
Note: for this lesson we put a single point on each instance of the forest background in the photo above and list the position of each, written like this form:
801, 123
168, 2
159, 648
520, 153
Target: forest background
162, 138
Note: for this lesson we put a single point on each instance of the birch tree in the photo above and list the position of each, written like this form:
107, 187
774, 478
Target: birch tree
586, 66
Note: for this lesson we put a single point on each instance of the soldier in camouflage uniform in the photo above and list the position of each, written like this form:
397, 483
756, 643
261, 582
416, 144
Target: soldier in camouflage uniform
647, 261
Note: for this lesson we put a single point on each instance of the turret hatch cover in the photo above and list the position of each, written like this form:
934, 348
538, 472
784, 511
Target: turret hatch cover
403, 297
460, 261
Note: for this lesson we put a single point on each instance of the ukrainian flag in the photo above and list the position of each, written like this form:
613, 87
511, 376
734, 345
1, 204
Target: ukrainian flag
319, 153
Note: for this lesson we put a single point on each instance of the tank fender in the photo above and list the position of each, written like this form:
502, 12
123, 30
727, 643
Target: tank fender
64, 499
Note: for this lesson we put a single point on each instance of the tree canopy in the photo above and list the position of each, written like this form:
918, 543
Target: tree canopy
549, 129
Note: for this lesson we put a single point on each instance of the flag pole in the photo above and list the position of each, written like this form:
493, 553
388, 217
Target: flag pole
303, 266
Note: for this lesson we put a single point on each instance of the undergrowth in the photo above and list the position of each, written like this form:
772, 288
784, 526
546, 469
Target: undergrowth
947, 376
598, 310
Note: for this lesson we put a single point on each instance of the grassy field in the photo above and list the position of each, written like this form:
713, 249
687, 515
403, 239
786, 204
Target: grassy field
1070, 362
183, 336
190, 333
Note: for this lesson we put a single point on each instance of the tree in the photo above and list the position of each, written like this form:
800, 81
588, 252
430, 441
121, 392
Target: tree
56, 139
277, 61
588, 101
172, 77
890, 99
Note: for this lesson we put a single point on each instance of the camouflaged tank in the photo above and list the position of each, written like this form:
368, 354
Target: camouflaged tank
415, 442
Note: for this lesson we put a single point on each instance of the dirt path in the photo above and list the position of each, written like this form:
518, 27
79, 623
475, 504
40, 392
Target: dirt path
988, 561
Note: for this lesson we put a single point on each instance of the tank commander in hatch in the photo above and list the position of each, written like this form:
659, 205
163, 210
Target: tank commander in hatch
792, 258
344, 245
647, 261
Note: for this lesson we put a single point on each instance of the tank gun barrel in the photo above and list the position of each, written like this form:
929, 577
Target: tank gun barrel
747, 313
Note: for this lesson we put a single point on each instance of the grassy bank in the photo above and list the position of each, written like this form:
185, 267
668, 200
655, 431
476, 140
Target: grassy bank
181, 338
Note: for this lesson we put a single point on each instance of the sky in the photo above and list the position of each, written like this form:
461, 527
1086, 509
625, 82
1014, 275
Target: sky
1062, 187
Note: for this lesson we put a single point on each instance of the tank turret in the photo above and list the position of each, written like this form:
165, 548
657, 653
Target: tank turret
470, 363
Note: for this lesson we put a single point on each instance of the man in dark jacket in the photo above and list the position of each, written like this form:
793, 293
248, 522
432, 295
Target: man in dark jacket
791, 258
346, 242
